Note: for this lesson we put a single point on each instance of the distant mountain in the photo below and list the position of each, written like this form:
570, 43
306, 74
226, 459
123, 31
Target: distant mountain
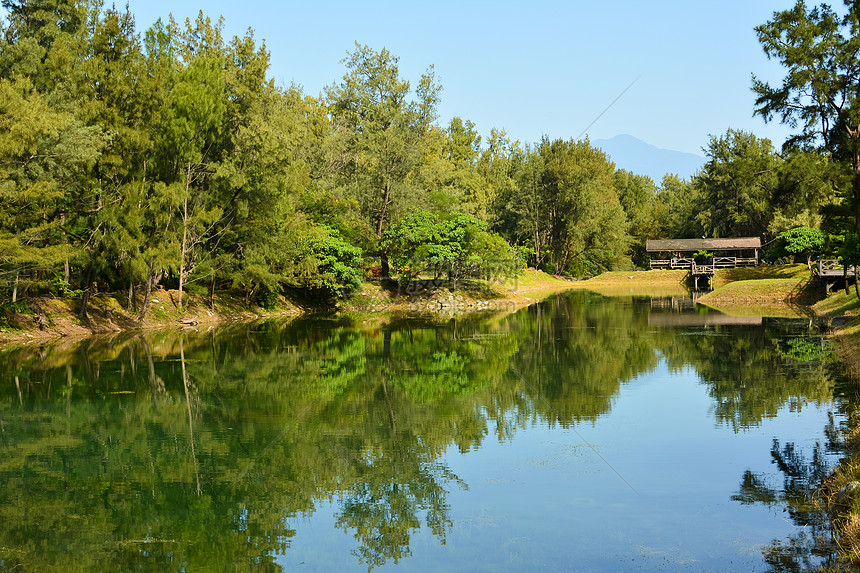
632, 154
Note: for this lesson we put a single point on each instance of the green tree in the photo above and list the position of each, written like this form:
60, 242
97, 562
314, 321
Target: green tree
683, 201
188, 141
586, 225
820, 51
737, 185
801, 241
522, 211
647, 215
457, 245
808, 191
41, 152
383, 128
329, 264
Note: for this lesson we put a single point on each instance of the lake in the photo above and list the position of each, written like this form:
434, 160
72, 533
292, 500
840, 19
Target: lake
583, 433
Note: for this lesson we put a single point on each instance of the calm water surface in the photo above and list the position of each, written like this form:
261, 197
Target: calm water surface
581, 434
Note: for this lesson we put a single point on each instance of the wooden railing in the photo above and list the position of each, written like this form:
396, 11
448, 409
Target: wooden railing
718, 262
834, 268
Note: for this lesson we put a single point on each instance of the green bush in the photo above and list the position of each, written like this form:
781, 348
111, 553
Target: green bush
266, 298
335, 265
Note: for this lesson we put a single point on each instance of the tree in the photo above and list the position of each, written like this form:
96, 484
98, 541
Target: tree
683, 201
383, 129
521, 211
737, 185
808, 191
457, 245
798, 241
41, 152
820, 93
646, 214
329, 264
586, 225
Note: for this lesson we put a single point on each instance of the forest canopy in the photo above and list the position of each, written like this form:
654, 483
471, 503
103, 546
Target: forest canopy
169, 157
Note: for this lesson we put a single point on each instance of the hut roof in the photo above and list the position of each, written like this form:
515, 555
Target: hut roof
736, 244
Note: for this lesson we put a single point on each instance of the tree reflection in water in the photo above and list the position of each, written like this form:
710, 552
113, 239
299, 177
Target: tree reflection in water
812, 547
174, 451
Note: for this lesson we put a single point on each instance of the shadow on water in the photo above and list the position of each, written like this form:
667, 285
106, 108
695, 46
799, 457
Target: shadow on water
181, 451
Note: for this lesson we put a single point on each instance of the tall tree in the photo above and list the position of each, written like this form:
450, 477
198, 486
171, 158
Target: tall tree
40, 151
646, 214
586, 223
372, 104
683, 201
737, 185
820, 94
190, 133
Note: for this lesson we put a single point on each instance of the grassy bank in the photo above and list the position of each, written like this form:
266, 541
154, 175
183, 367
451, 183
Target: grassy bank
432, 296
776, 290
778, 285
19, 322
108, 312
645, 283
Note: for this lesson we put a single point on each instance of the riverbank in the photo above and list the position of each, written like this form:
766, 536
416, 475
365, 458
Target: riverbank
780, 289
20, 322
107, 313
841, 490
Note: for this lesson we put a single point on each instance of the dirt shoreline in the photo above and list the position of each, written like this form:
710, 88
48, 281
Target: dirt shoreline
779, 291
108, 312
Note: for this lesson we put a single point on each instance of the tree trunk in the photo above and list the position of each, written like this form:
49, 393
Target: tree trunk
150, 275
66, 270
130, 295
386, 198
85, 295
212, 293
15, 289
184, 247
386, 270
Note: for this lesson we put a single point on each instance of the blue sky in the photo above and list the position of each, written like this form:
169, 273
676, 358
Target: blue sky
534, 68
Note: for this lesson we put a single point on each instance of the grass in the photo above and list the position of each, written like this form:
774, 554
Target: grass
764, 272
536, 280
466, 294
654, 283
765, 287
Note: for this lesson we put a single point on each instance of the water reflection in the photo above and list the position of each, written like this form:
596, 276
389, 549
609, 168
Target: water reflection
811, 547
181, 451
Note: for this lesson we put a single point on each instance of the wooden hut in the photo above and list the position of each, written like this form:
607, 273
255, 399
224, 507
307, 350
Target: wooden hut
678, 253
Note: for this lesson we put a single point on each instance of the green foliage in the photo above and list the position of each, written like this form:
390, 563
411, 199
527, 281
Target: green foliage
21, 307
800, 241
336, 265
818, 47
683, 201
456, 245
565, 208
266, 298
805, 349
646, 215
702, 255
385, 133
737, 185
